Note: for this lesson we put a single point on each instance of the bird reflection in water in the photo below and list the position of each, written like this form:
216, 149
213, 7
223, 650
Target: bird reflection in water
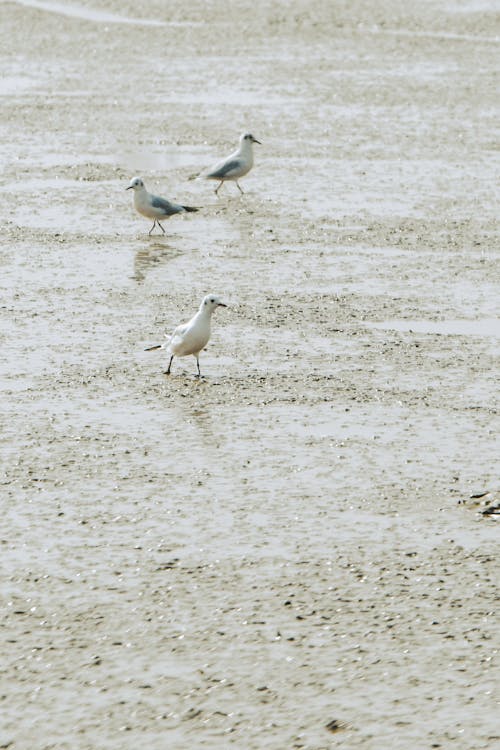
151, 256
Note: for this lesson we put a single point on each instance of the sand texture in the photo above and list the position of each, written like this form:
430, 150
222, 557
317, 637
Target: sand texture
286, 553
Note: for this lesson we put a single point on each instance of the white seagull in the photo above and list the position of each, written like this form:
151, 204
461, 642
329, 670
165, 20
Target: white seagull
192, 337
234, 166
152, 206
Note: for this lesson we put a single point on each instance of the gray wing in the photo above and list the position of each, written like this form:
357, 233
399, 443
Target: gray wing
225, 169
166, 206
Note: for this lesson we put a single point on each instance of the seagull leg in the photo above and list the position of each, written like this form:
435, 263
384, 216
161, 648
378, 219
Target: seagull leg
160, 226
241, 191
154, 224
198, 366
167, 371
219, 187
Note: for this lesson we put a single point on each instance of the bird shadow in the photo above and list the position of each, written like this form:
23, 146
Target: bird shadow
152, 255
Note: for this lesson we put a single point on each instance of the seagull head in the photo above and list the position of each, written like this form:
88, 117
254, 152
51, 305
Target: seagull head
136, 183
248, 138
210, 302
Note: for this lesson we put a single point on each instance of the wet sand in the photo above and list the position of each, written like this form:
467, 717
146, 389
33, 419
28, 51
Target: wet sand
291, 541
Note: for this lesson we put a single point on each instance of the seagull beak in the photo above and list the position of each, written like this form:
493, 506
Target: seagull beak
221, 304
129, 187
256, 141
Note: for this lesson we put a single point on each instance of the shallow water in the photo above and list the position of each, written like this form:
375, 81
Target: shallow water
75, 10
163, 158
484, 327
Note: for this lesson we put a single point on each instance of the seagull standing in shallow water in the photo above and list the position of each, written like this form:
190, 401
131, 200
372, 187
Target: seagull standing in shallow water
234, 166
152, 206
192, 337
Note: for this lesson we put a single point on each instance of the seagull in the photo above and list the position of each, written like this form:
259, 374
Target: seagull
153, 206
192, 337
234, 166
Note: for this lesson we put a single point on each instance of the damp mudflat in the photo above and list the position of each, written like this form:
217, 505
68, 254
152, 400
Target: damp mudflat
285, 553
481, 327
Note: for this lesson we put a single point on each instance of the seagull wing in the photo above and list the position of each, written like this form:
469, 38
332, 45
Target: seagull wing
177, 335
228, 168
164, 205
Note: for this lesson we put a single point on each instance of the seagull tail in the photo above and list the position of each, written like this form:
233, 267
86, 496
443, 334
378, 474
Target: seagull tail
152, 348
190, 209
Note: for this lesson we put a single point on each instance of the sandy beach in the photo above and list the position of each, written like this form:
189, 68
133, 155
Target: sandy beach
300, 549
